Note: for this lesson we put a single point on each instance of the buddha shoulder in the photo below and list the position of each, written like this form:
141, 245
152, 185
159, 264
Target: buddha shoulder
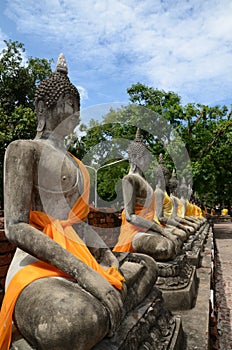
20, 149
136, 184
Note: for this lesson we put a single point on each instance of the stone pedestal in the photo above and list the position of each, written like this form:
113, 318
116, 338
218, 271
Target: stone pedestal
195, 245
149, 326
178, 283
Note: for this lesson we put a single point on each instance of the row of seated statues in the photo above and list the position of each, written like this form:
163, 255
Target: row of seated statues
153, 222
65, 289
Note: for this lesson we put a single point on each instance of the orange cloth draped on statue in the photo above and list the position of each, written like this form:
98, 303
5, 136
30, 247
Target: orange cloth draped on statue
188, 211
128, 231
180, 209
63, 233
224, 212
167, 210
167, 206
195, 210
199, 212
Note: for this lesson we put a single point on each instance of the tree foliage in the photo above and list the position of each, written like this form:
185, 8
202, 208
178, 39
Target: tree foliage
194, 138
19, 77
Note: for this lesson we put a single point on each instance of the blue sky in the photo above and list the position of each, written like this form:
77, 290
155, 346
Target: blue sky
181, 46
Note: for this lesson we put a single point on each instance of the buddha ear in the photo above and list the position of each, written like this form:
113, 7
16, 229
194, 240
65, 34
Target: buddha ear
133, 167
40, 116
41, 124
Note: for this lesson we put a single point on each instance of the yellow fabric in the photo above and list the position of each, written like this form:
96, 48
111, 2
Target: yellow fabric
167, 206
62, 232
167, 209
128, 231
199, 212
180, 209
188, 211
204, 212
224, 212
195, 210
192, 210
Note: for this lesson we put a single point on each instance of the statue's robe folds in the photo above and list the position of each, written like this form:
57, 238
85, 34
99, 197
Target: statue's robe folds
128, 230
62, 232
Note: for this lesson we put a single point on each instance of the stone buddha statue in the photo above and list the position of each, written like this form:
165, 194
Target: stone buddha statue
140, 232
197, 211
178, 212
192, 212
64, 289
163, 202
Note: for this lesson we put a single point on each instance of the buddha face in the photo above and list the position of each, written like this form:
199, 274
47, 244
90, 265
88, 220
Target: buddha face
143, 160
64, 116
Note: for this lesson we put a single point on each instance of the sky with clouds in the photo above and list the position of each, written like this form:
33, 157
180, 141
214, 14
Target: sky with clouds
183, 46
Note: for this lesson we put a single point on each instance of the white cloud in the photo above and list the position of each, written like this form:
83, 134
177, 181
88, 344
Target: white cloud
2, 37
83, 93
174, 45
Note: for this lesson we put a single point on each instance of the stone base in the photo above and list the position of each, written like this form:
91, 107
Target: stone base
196, 321
194, 257
181, 299
149, 326
178, 283
195, 245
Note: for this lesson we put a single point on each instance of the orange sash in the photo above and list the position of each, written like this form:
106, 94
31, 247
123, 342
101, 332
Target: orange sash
128, 231
180, 209
62, 232
167, 206
188, 211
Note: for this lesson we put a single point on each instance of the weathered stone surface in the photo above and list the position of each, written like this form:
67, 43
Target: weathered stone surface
196, 320
149, 326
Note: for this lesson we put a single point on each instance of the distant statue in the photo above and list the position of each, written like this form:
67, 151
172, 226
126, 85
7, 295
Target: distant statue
65, 289
140, 232
178, 207
193, 210
163, 202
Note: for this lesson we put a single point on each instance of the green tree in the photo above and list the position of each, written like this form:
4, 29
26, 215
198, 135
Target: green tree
19, 77
194, 131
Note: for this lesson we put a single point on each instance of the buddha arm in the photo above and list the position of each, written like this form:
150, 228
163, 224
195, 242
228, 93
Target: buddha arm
96, 245
19, 168
129, 187
159, 199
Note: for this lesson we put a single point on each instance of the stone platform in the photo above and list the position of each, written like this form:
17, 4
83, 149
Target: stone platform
182, 298
178, 282
149, 326
195, 245
196, 320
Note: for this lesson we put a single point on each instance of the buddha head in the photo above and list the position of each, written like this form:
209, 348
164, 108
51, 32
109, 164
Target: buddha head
138, 153
173, 183
161, 174
184, 189
57, 100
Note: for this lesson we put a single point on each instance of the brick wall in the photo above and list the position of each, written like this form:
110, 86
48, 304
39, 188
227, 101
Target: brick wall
104, 220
